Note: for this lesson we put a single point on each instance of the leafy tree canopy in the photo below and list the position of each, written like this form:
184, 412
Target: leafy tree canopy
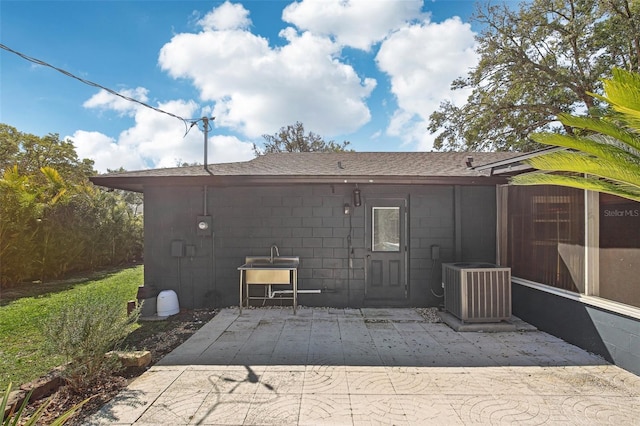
53, 221
292, 138
31, 153
536, 62
607, 157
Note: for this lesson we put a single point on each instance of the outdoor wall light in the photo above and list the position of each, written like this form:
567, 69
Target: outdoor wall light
357, 201
347, 209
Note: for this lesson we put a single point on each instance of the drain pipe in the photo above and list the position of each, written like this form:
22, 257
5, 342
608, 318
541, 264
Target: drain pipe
205, 189
274, 293
205, 212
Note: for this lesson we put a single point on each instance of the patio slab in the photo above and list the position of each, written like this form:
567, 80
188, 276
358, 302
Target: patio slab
371, 366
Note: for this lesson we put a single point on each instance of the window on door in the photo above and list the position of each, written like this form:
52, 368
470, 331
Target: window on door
385, 229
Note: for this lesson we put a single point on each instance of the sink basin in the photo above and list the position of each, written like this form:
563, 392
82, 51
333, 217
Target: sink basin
277, 277
264, 262
260, 269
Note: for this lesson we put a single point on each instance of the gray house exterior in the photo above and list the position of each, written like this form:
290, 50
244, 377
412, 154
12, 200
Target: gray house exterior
574, 255
442, 211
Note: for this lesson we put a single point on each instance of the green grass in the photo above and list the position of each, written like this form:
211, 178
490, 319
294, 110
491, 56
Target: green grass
22, 355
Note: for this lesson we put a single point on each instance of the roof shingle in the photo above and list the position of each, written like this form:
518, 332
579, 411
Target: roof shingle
321, 167
340, 164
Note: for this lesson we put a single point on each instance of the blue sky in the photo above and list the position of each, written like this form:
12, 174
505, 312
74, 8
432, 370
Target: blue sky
366, 71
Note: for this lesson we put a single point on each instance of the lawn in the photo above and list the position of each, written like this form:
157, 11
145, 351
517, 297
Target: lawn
22, 355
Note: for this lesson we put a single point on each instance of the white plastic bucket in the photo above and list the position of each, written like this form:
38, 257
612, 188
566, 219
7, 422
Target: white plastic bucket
167, 303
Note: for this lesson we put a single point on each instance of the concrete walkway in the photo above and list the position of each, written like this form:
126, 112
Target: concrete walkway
371, 366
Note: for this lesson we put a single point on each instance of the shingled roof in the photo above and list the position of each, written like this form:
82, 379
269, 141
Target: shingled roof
321, 167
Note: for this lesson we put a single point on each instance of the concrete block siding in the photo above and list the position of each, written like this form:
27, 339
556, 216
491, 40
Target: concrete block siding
613, 336
307, 221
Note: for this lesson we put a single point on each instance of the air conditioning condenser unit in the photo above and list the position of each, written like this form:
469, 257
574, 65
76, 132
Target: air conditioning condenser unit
477, 292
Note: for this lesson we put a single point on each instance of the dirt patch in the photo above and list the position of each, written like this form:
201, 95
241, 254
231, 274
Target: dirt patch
158, 337
161, 337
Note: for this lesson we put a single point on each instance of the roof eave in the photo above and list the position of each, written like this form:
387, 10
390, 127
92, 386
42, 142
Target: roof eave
515, 165
138, 183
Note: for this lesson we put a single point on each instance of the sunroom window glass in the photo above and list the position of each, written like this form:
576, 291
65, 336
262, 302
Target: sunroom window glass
619, 253
546, 235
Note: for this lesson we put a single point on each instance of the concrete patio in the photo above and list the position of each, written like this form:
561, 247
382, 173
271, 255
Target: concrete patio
371, 366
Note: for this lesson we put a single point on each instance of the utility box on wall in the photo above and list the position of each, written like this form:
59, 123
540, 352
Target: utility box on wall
177, 248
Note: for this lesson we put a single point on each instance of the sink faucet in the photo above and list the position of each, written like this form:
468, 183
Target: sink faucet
277, 252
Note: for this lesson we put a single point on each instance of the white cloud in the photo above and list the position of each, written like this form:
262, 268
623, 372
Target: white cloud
158, 140
422, 60
104, 151
353, 23
106, 100
226, 17
412, 130
257, 89
254, 88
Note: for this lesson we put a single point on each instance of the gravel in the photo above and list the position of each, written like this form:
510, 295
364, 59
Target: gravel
429, 314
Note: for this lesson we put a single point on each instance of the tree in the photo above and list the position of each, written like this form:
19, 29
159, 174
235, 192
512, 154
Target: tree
31, 153
293, 139
537, 62
53, 221
19, 212
135, 200
623, 29
606, 151
9, 146
25, 231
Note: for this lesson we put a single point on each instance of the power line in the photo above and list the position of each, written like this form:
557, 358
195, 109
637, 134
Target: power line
93, 84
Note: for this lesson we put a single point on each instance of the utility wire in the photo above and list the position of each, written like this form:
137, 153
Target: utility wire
91, 83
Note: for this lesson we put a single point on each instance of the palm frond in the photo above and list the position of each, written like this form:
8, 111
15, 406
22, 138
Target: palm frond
623, 95
12, 177
604, 127
609, 159
53, 176
593, 145
585, 183
564, 161
58, 186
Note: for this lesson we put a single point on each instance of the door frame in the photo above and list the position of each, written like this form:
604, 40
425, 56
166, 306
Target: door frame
403, 254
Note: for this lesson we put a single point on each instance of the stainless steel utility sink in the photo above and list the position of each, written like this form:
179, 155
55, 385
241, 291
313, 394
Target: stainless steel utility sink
268, 271
261, 270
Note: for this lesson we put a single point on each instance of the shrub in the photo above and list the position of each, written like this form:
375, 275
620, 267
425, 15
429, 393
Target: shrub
18, 417
83, 331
